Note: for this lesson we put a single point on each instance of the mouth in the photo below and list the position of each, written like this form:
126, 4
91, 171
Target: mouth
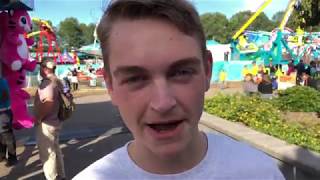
160, 127
165, 130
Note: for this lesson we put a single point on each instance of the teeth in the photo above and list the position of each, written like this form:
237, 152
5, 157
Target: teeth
164, 127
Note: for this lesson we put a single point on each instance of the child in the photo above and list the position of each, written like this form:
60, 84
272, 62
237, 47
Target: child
223, 78
245, 71
249, 86
7, 138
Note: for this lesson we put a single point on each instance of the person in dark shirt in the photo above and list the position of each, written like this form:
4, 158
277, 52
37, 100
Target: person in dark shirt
300, 69
74, 79
291, 68
7, 138
272, 68
265, 87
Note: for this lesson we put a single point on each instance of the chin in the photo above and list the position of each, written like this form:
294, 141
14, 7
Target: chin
169, 149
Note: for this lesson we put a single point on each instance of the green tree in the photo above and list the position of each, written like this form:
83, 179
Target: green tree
215, 26
305, 15
310, 12
71, 33
87, 31
237, 21
262, 23
278, 17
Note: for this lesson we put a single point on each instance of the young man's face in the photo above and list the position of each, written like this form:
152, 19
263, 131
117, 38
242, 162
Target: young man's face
158, 82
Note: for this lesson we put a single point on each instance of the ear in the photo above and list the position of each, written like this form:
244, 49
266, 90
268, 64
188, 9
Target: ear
208, 70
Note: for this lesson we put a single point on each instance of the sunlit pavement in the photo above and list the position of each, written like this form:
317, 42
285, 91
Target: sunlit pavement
94, 130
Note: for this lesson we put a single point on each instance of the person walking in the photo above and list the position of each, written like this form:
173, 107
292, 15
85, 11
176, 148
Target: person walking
48, 125
74, 79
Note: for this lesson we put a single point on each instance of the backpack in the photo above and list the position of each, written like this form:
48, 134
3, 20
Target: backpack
66, 106
66, 85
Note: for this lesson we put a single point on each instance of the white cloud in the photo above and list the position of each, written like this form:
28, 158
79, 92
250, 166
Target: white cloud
252, 5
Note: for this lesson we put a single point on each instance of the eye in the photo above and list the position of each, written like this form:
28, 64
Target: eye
183, 72
23, 20
134, 79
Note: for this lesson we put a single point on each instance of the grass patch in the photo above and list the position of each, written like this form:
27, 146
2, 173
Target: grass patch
265, 116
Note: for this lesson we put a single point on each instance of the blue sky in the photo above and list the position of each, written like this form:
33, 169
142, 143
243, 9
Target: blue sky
89, 11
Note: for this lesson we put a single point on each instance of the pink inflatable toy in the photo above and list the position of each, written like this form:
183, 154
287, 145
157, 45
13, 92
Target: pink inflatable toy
14, 55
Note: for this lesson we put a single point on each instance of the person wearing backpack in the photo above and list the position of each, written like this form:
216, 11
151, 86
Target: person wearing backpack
48, 125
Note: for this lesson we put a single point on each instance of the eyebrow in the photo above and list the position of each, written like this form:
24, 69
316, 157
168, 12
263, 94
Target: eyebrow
191, 61
126, 70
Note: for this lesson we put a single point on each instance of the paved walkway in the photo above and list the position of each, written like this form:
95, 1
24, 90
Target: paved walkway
291, 157
78, 154
96, 129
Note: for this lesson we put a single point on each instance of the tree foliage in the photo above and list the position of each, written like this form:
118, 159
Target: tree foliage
71, 33
218, 27
278, 17
87, 32
215, 26
310, 12
262, 23
238, 20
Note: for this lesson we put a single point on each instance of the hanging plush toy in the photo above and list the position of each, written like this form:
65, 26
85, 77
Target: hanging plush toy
14, 55
3, 17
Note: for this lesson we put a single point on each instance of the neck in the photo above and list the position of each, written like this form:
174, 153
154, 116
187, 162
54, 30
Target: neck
182, 161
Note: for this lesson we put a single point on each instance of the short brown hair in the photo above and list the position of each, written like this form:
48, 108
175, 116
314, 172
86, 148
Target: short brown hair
50, 64
179, 13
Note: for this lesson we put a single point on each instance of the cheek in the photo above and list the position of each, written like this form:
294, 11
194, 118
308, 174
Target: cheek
191, 98
132, 105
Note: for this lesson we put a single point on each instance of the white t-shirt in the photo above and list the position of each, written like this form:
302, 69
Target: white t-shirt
225, 159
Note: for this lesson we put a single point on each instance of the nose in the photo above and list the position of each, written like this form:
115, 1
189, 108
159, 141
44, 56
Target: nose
163, 99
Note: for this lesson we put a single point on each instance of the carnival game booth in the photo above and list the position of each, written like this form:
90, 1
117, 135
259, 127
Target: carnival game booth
66, 58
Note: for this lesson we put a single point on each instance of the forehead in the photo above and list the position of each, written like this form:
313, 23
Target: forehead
149, 42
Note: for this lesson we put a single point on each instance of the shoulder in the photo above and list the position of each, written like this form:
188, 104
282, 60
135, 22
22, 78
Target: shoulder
45, 83
53, 81
242, 160
110, 167
228, 145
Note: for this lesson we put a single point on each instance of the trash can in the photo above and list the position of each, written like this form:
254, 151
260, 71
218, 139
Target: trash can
103, 84
93, 82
